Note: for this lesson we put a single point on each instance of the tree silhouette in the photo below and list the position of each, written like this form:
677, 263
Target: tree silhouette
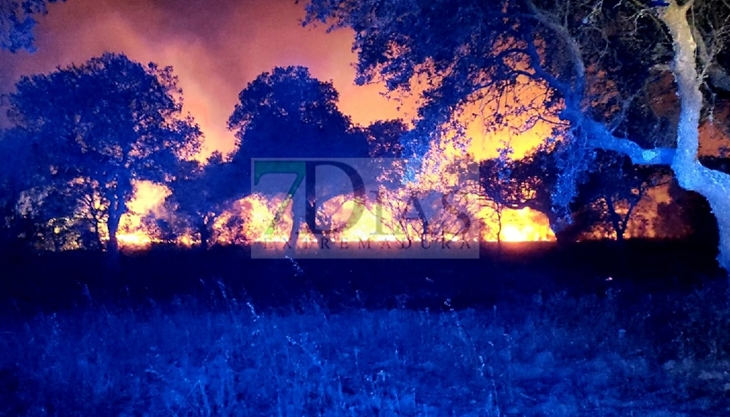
18, 175
519, 183
611, 195
201, 194
384, 138
101, 126
17, 22
286, 113
599, 67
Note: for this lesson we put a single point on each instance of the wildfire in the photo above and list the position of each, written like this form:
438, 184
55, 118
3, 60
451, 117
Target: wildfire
250, 218
148, 198
257, 219
525, 225
134, 240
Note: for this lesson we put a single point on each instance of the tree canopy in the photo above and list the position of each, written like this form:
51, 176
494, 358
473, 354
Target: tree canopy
603, 72
286, 113
103, 125
17, 22
201, 193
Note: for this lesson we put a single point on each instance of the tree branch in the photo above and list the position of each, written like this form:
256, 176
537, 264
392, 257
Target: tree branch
600, 137
717, 75
573, 48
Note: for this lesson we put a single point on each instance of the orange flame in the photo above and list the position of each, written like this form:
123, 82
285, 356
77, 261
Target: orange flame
525, 225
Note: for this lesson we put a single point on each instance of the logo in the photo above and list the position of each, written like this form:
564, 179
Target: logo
364, 208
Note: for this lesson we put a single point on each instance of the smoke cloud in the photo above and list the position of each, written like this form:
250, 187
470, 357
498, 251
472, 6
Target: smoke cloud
215, 47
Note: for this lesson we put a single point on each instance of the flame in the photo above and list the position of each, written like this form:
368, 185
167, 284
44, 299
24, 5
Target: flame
148, 198
525, 225
212, 84
250, 219
134, 240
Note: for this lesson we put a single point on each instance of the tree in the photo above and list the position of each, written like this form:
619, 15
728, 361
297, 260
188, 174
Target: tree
601, 67
102, 126
18, 174
33, 212
286, 113
501, 190
606, 199
612, 194
520, 183
686, 216
385, 141
384, 138
201, 194
17, 23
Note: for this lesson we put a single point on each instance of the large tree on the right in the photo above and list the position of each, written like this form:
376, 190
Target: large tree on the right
634, 77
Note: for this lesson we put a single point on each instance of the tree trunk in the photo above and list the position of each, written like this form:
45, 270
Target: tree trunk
113, 226
117, 208
97, 234
499, 230
113, 262
204, 235
618, 226
691, 175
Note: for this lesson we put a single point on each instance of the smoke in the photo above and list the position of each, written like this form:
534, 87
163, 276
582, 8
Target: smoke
215, 47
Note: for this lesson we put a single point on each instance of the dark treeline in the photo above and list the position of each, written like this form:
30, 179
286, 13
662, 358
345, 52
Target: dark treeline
83, 135
73, 158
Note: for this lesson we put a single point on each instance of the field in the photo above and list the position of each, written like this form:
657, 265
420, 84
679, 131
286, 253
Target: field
600, 330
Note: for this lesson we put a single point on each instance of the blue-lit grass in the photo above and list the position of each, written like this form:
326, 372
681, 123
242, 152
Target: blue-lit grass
555, 357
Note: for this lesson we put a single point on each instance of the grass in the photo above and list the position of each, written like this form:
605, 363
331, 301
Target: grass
553, 356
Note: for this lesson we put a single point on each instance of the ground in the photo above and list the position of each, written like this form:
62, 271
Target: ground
520, 332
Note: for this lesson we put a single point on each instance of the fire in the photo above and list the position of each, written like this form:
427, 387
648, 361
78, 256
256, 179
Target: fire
148, 198
509, 225
526, 225
134, 240
250, 219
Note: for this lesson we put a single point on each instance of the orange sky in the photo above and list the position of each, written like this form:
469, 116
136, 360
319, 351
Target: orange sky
215, 48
